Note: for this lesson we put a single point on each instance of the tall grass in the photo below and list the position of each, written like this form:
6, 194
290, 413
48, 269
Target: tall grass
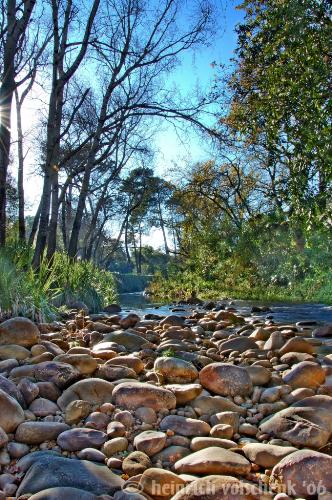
23, 292
83, 281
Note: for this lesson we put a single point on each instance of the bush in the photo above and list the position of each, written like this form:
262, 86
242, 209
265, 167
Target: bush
83, 281
23, 292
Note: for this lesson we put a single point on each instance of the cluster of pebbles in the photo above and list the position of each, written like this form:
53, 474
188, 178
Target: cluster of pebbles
212, 406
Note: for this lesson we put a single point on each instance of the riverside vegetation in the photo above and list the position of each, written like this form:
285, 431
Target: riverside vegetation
212, 405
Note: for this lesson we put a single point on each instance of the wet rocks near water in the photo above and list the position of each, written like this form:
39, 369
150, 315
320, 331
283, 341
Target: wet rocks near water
164, 408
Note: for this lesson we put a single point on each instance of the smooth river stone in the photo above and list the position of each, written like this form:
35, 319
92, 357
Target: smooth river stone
213, 460
93, 390
61, 374
11, 413
184, 393
132, 395
49, 470
185, 426
78, 439
19, 331
226, 379
39, 432
297, 471
175, 370
221, 487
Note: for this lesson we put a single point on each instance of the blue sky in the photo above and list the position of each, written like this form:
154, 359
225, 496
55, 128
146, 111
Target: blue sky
196, 69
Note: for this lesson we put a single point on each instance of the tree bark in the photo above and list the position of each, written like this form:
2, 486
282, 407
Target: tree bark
20, 170
34, 227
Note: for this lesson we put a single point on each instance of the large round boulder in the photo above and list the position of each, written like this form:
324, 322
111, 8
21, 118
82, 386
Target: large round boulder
175, 370
93, 390
80, 438
132, 362
13, 351
61, 374
159, 483
266, 455
184, 393
38, 432
60, 493
323, 331
221, 487
19, 331
84, 363
11, 412
304, 474
297, 344
306, 423
131, 341
226, 379
150, 442
305, 374
48, 470
185, 426
240, 344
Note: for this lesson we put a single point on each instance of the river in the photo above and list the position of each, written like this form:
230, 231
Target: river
281, 312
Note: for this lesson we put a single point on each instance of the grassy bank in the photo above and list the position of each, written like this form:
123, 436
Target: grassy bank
24, 292
180, 285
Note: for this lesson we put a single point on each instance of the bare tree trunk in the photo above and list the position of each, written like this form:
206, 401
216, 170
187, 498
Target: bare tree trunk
73, 243
34, 226
53, 225
43, 221
162, 226
50, 205
64, 224
88, 240
14, 32
5, 104
135, 252
20, 171
139, 261
126, 243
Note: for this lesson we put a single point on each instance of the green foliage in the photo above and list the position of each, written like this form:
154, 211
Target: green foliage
170, 353
281, 103
24, 292
258, 223
83, 281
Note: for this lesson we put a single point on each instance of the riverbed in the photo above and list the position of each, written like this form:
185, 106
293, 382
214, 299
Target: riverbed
286, 313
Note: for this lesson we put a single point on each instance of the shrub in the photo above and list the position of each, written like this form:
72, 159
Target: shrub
24, 292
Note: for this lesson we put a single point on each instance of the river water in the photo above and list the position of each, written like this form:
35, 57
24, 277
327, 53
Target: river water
280, 312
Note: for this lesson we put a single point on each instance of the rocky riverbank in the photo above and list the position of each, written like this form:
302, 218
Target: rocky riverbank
206, 407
